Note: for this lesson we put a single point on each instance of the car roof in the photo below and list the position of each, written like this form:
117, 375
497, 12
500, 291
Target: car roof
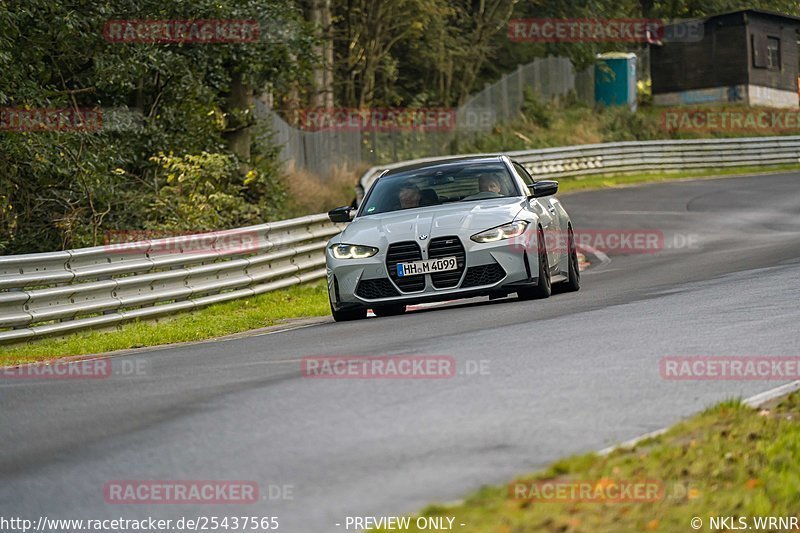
445, 162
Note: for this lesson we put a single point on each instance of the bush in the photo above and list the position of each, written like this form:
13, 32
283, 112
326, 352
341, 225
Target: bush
536, 109
621, 124
207, 191
309, 194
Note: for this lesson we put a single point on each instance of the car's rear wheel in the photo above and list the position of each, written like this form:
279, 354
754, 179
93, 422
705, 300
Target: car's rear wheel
543, 288
346, 315
573, 282
389, 310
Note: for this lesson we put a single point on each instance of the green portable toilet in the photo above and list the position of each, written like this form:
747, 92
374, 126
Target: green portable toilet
615, 79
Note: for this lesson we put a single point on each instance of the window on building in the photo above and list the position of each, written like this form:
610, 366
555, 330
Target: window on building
759, 44
773, 53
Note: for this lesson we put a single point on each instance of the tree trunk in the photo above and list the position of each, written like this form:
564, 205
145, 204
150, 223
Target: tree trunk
320, 17
237, 132
647, 8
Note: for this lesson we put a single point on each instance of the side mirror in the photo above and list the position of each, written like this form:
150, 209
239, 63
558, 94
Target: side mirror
544, 188
341, 214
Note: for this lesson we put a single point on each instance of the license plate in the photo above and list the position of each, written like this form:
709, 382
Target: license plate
442, 264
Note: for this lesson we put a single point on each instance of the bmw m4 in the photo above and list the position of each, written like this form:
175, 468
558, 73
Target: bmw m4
450, 229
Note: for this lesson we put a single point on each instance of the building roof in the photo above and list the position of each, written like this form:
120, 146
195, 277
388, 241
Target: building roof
765, 12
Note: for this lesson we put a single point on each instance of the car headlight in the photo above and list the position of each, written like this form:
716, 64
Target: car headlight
506, 231
352, 251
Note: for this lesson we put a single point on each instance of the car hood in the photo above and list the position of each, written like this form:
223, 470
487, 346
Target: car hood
463, 218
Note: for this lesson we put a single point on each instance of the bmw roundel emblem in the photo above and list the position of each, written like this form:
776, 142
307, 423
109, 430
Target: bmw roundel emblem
422, 236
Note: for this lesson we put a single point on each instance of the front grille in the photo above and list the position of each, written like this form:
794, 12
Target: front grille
447, 247
403, 252
372, 289
483, 275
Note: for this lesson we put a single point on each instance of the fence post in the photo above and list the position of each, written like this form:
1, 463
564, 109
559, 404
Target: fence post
504, 96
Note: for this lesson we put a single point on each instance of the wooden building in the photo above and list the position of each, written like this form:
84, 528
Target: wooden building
748, 56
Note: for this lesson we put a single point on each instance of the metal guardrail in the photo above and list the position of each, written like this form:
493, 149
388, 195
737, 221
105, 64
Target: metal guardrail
642, 156
59, 292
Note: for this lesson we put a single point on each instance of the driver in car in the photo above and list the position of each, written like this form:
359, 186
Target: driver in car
489, 183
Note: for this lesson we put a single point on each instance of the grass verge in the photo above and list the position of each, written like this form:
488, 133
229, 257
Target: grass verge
580, 183
729, 461
565, 122
213, 321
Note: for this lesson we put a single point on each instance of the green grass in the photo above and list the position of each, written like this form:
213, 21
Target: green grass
581, 183
550, 124
213, 321
730, 460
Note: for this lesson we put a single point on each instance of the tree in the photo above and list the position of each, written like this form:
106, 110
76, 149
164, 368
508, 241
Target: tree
368, 32
484, 20
64, 189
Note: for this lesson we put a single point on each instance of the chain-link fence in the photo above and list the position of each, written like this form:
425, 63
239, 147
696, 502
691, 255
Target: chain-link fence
319, 151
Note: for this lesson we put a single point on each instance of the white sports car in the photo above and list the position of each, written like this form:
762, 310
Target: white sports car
449, 229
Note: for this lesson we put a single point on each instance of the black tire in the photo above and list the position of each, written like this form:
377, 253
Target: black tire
346, 315
544, 288
573, 282
389, 310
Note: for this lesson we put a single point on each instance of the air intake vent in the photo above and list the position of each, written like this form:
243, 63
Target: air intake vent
404, 252
478, 276
373, 289
447, 247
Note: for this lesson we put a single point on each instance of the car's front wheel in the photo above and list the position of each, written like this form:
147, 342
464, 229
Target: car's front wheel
543, 288
346, 315
573, 282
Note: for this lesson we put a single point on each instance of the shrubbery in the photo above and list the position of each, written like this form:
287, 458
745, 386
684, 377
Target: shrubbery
190, 101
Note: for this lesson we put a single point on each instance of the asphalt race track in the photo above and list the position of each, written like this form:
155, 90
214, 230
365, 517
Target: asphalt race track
574, 373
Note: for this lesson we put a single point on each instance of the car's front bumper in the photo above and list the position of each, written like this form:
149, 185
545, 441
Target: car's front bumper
519, 268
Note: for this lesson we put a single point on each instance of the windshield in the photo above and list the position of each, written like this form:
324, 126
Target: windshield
457, 182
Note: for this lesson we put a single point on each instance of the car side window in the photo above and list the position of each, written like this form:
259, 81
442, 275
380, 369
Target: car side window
527, 178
